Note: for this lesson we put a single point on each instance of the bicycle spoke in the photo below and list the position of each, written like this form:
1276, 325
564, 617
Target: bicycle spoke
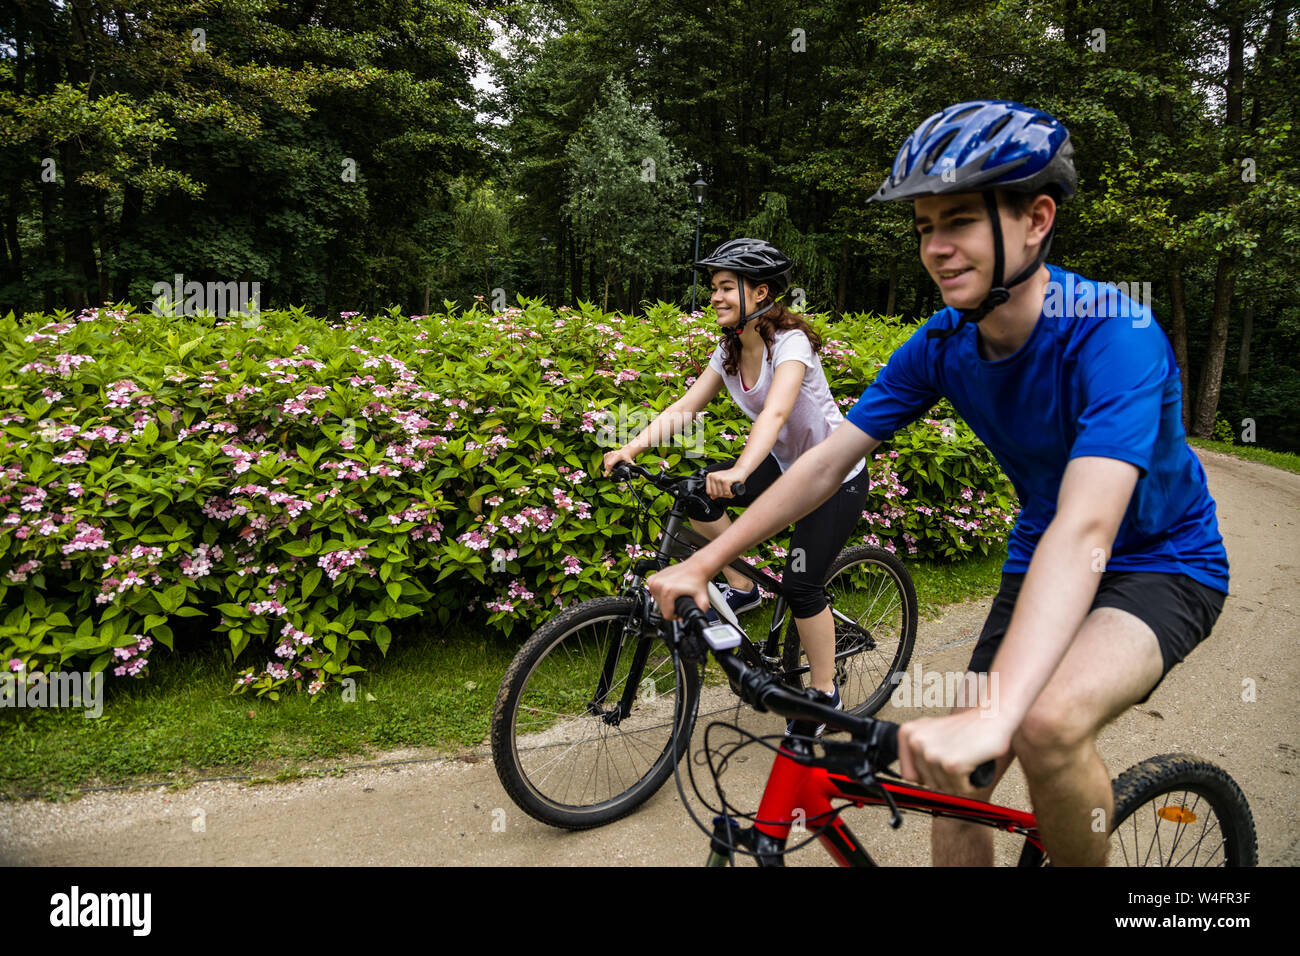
572, 758
1173, 840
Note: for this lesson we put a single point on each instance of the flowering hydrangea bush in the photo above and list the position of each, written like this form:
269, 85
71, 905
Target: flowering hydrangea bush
307, 483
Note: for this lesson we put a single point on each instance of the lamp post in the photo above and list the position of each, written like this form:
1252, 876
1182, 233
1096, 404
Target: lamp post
543, 268
698, 189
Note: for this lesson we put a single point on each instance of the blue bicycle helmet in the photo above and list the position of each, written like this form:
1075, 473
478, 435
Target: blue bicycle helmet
982, 146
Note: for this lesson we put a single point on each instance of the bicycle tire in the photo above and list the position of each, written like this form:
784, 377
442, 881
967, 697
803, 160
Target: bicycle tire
1165, 782
627, 762
866, 672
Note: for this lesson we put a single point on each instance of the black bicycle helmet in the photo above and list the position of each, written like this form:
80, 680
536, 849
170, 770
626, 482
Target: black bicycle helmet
985, 145
753, 259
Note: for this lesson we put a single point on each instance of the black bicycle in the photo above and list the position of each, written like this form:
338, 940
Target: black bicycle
587, 714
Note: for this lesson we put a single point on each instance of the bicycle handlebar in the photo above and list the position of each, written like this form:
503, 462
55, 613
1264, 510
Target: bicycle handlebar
763, 692
626, 469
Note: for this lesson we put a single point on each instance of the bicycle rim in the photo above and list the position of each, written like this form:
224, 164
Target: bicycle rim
1176, 811
578, 764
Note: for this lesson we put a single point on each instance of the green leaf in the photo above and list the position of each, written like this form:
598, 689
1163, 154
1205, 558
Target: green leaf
310, 581
164, 634
172, 598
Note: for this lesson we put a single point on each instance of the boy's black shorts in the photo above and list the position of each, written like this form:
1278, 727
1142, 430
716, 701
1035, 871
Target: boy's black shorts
1181, 611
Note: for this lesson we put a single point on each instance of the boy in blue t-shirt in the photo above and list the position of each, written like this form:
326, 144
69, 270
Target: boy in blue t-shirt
1115, 567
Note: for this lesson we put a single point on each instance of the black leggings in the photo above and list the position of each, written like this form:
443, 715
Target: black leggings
818, 536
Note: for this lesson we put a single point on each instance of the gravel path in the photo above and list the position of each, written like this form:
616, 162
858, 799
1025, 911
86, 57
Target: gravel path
453, 811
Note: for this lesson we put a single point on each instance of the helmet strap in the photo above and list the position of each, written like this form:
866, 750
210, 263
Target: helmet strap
999, 292
740, 326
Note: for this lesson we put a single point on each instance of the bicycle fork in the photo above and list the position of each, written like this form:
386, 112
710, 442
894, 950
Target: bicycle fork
632, 684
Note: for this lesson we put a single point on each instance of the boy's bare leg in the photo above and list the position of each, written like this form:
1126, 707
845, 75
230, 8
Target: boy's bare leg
1113, 662
956, 843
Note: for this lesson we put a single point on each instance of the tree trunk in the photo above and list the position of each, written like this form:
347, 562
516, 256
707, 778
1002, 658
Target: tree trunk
132, 210
842, 284
892, 296
1178, 325
575, 271
49, 194
103, 233
1243, 361
635, 292
14, 264
1207, 395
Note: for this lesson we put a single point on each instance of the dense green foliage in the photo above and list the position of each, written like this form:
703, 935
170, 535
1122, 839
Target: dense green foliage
340, 155
308, 146
301, 485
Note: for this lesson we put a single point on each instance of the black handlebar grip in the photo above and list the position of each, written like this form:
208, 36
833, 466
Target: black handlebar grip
982, 775
620, 472
686, 608
889, 743
737, 488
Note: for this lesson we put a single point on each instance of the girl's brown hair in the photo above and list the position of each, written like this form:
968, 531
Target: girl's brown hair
779, 318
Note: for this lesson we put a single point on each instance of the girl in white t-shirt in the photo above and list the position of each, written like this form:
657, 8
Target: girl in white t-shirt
768, 363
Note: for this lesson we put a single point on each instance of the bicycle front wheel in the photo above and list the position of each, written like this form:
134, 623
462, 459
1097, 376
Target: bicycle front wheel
874, 605
584, 722
1176, 810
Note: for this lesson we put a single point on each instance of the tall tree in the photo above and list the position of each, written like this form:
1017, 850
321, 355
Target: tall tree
627, 195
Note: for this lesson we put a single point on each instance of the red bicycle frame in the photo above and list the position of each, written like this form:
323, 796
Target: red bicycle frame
794, 787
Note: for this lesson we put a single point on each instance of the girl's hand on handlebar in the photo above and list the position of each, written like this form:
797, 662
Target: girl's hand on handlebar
612, 458
674, 582
718, 483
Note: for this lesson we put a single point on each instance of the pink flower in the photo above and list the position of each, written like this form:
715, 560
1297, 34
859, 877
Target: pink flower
15, 664
473, 540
